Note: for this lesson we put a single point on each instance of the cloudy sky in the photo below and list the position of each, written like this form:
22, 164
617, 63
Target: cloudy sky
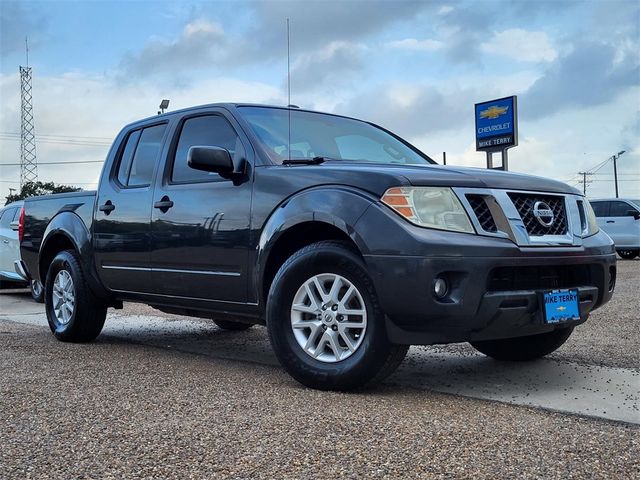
416, 68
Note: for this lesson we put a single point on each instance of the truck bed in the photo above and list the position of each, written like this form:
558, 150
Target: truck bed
39, 211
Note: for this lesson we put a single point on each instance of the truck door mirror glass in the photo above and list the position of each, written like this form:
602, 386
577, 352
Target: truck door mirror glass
210, 159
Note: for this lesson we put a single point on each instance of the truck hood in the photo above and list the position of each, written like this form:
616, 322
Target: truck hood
440, 175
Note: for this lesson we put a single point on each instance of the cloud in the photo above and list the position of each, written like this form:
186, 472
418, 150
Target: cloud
332, 66
521, 45
18, 21
584, 77
201, 42
426, 45
79, 106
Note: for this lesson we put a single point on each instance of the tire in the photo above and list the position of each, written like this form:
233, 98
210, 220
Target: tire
232, 326
372, 357
84, 319
37, 291
628, 254
524, 348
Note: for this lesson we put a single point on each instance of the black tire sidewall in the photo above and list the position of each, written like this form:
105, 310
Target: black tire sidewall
372, 352
62, 261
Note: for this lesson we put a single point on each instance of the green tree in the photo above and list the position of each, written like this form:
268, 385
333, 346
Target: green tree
33, 189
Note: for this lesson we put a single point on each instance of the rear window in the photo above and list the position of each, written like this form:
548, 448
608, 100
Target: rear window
601, 209
140, 156
7, 217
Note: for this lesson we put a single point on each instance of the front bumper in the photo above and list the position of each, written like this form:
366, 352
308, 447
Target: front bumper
481, 304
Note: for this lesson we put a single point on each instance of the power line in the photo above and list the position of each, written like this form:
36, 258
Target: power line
55, 163
16, 134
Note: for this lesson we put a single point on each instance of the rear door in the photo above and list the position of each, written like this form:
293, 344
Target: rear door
122, 226
601, 210
200, 242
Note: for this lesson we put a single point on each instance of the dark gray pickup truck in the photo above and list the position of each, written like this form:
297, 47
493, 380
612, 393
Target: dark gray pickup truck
349, 243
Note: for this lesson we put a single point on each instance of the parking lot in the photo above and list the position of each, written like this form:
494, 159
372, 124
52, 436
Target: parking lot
162, 396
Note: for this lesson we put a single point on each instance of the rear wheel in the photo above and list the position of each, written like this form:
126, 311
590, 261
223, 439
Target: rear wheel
628, 254
37, 291
524, 348
324, 321
74, 313
230, 325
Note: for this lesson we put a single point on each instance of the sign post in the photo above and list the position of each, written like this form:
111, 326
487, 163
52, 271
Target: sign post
497, 128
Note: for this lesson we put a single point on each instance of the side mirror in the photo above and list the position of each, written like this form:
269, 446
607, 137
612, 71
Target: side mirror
210, 159
633, 213
15, 225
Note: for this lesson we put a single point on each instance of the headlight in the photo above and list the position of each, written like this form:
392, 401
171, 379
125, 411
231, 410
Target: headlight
591, 227
432, 207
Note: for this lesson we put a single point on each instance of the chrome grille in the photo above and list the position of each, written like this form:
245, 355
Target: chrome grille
482, 213
524, 203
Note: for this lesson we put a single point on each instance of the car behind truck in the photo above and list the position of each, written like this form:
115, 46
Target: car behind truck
346, 241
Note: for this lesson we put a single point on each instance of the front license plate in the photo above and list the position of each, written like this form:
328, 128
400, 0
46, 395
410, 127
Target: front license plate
561, 306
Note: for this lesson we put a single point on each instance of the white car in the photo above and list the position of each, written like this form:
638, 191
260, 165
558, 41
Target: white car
620, 219
10, 250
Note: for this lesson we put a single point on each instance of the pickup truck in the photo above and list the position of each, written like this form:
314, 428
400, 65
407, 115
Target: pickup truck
346, 241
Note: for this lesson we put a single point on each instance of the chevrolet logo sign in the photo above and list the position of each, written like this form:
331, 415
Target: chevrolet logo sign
493, 112
562, 309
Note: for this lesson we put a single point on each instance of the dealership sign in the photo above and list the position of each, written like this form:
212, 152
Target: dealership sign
496, 124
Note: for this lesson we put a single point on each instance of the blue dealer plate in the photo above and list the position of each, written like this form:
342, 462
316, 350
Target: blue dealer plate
561, 306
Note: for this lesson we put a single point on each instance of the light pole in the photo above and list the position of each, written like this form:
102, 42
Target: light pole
615, 168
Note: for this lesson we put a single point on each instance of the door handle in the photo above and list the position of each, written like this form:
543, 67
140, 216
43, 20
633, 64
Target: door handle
107, 208
611, 221
5, 241
164, 204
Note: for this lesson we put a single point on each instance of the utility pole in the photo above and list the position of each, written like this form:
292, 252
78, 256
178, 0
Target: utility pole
584, 181
615, 169
28, 163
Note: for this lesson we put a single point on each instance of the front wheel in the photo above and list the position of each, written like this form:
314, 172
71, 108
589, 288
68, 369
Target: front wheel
526, 348
74, 313
325, 323
628, 254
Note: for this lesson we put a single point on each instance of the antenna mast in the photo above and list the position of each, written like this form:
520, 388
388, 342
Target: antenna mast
289, 87
28, 163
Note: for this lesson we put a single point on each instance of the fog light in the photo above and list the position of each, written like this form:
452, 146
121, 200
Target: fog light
440, 287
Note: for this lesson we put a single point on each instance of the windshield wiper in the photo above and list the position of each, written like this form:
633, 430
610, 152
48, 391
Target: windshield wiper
304, 161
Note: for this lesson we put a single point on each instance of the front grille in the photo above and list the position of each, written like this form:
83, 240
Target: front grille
506, 279
482, 212
524, 203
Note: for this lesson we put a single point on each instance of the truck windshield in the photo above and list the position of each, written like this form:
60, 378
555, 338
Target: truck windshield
321, 135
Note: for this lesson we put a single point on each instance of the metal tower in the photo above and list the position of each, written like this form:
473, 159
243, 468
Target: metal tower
28, 163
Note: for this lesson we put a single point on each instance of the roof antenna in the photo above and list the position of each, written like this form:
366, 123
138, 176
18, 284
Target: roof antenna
289, 87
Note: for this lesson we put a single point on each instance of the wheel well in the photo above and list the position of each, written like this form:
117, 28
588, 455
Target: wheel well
294, 239
54, 245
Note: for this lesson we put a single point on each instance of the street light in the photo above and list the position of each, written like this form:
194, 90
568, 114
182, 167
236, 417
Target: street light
615, 168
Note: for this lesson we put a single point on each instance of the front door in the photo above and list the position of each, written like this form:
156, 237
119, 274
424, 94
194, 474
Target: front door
200, 228
621, 224
122, 219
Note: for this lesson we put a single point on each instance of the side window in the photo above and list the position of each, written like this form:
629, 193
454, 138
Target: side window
207, 130
601, 209
146, 155
127, 157
620, 209
7, 217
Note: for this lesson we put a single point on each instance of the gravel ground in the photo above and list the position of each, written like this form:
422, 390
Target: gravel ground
114, 410
611, 336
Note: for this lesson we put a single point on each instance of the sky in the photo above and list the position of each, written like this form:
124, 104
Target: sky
416, 68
